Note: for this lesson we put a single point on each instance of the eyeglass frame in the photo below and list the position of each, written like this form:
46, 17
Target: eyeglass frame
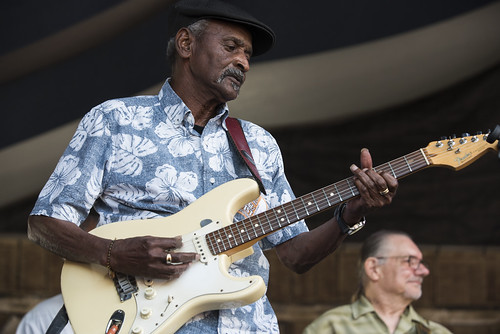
410, 258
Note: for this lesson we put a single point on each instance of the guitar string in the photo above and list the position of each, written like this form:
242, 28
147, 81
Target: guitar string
404, 165
395, 166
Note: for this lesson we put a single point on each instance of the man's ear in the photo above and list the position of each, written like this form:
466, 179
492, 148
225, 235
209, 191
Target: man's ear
372, 269
183, 43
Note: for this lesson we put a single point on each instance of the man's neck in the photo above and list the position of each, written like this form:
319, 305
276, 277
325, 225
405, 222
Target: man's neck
389, 309
202, 108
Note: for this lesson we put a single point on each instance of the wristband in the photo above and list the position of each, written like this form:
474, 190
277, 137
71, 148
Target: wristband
346, 229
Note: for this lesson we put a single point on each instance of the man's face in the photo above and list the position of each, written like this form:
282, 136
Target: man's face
220, 60
398, 278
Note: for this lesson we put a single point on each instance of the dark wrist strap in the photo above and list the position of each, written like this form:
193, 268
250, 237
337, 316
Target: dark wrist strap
346, 229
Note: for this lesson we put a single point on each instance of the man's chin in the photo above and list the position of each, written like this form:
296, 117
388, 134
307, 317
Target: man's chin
414, 294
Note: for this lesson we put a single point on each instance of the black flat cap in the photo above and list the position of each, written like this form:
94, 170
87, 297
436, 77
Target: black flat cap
186, 12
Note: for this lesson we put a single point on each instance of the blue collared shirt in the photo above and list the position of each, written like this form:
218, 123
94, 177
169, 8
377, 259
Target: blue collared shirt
140, 157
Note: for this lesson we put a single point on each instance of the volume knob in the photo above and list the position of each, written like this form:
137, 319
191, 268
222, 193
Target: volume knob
146, 313
137, 330
149, 293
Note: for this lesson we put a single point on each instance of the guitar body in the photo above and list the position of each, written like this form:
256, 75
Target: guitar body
161, 306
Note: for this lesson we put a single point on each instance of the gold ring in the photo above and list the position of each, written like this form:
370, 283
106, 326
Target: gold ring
168, 258
384, 192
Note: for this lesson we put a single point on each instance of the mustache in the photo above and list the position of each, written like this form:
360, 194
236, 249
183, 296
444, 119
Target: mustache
232, 72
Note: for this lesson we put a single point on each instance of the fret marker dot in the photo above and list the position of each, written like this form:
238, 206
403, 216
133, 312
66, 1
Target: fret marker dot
309, 203
229, 236
279, 211
282, 219
256, 225
331, 194
218, 240
242, 231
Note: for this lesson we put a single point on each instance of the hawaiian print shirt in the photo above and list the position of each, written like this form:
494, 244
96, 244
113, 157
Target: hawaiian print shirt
140, 157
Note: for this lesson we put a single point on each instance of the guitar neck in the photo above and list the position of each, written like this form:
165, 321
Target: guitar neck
257, 226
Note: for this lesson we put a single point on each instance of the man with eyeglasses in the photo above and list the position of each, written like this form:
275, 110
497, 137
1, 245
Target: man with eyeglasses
391, 275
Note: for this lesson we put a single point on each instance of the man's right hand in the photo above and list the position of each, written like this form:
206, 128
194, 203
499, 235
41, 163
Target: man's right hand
150, 257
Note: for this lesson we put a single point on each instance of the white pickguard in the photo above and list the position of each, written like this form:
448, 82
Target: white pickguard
169, 296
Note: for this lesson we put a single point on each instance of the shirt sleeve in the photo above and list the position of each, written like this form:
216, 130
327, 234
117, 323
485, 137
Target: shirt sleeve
76, 182
269, 161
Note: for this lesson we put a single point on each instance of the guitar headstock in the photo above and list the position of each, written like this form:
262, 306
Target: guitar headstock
460, 152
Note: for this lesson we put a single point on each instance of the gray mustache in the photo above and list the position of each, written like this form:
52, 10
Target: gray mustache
232, 72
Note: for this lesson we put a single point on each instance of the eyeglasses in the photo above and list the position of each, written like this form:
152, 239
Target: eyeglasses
413, 262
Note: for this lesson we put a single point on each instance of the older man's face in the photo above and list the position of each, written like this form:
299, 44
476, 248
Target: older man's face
220, 60
399, 278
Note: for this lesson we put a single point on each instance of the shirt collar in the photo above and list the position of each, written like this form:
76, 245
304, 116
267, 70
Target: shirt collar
168, 98
363, 306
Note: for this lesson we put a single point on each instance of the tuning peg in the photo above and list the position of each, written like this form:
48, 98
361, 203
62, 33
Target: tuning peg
495, 135
465, 134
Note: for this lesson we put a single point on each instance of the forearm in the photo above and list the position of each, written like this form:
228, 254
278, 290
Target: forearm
138, 256
307, 249
67, 240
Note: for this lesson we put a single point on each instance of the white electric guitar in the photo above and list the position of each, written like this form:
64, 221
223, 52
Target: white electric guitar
95, 302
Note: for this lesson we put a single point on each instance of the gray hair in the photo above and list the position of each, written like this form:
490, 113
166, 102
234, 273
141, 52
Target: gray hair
197, 29
373, 246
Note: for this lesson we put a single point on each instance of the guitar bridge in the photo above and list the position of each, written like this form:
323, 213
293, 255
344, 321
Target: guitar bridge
125, 285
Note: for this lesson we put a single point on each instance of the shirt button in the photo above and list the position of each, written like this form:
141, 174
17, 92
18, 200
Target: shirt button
212, 180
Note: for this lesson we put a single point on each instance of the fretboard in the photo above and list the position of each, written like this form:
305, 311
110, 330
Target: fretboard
257, 226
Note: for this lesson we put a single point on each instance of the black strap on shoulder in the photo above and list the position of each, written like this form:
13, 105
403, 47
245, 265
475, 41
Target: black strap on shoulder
239, 141
60, 321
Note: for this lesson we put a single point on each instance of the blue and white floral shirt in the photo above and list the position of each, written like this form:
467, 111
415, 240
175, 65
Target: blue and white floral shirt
140, 157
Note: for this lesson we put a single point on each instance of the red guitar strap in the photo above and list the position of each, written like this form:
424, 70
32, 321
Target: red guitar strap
239, 141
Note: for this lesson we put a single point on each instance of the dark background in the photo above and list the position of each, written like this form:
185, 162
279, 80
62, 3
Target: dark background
436, 205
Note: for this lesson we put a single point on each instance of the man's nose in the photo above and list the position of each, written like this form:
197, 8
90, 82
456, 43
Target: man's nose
242, 62
423, 270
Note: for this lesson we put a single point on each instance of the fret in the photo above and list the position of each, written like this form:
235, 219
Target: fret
338, 192
219, 240
260, 224
228, 237
293, 207
268, 220
425, 157
243, 228
326, 196
350, 188
253, 226
288, 222
240, 231
235, 232
315, 202
392, 170
304, 205
209, 240
276, 211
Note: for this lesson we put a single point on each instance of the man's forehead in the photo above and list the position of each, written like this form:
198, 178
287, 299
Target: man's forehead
400, 245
